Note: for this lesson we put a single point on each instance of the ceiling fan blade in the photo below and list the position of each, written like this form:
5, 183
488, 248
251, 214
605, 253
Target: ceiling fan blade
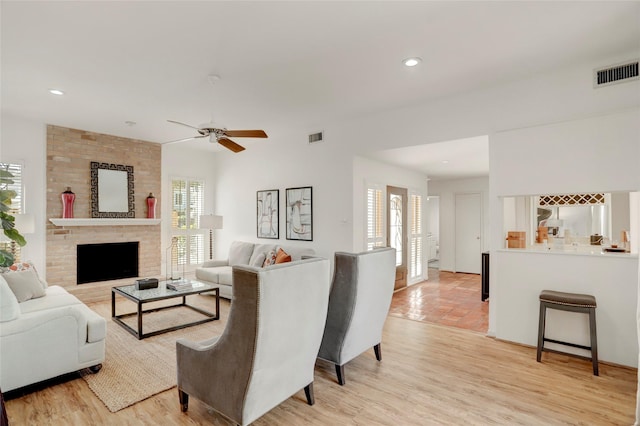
184, 139
229, 144
245, 133
183, 124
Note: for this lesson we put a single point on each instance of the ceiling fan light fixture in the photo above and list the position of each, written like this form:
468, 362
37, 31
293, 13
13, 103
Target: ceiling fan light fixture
412, 62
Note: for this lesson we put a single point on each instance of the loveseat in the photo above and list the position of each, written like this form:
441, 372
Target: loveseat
244, 253
49, 334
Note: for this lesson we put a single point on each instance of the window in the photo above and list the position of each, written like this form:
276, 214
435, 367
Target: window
16, 205
187, 200
415, 239
375, 218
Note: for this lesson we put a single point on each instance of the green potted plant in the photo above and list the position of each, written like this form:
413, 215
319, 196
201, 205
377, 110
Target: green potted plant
8, 220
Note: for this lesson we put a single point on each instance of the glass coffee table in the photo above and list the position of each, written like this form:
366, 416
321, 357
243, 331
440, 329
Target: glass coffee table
140, 297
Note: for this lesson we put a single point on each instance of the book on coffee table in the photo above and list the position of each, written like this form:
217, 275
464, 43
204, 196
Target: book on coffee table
179, 285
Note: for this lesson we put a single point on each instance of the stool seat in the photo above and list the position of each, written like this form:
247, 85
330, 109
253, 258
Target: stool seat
570, 299
573, 302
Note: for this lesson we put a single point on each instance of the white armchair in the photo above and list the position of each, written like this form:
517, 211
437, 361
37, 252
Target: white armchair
358, 306
269, 346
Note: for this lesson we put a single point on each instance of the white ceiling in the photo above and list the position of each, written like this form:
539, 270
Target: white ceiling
281, 64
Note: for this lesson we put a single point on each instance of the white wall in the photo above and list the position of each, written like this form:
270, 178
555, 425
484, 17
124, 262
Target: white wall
282, 162
447, 190
24, 142
596, 154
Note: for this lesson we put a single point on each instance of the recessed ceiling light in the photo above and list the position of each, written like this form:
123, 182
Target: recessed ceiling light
445, 161
56, 92
411, 62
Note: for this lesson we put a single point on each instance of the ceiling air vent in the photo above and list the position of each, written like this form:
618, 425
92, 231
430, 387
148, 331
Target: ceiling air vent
619, 73
316, 137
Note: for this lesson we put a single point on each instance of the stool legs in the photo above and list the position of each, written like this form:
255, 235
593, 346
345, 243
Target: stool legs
592, 332
541, 325
594, 340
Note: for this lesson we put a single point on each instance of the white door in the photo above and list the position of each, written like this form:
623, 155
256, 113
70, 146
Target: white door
468, 233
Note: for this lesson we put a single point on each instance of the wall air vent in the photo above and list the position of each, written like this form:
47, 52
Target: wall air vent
619, 73
316, 137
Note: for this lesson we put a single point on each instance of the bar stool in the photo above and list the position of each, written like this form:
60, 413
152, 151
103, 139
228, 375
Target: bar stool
583, 303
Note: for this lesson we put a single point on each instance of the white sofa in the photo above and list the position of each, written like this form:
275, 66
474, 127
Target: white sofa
242, 253
47, 336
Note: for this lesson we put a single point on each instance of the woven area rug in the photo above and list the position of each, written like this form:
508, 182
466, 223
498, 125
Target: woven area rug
134, 369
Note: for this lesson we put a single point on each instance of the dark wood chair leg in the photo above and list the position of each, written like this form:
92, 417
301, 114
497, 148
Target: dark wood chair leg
184, 400
594, 340
541, 325
378, 350
340, 374
95, 368
308, 392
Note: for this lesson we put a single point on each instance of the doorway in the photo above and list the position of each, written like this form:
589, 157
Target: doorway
397, 232
468, 233
433, 231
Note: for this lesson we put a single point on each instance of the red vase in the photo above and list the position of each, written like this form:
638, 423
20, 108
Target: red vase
68, 198
151, 206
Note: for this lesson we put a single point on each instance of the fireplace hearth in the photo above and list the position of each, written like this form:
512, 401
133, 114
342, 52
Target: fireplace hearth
107, 261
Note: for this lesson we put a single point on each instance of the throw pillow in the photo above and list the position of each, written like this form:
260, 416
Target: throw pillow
23, 266
9, 308
282, 256
270, 258
24, 284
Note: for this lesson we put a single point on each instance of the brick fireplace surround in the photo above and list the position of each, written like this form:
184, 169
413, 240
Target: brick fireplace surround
69, 154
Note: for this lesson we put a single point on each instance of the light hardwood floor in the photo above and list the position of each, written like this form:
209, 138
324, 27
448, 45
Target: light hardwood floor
429, 375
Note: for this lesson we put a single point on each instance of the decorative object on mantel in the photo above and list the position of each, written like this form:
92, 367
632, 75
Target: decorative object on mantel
68, 197
210, 222
299, 214
112, 190
151, 206
267, 205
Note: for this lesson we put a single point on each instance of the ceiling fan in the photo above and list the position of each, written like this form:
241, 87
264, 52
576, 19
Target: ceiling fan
220, 135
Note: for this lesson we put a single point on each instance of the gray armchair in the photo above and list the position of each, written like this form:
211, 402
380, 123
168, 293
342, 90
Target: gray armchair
358, 306
269, 346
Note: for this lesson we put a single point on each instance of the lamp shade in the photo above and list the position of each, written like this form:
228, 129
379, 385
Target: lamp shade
209, 221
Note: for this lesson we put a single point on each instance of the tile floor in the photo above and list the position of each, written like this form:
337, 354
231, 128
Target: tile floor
446, 298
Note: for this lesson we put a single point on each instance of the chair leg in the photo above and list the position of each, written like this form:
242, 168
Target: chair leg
340, 374
308, 392
184, 400
594, 340
541, 324
378, 350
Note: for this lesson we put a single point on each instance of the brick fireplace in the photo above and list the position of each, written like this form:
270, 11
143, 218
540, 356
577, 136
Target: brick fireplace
69, 154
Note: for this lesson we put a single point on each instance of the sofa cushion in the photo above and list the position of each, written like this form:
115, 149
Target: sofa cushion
225, 276
282, 256
240, 253
56, 297
258, 260
24, 284
260, 251
9, 306
208, 274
